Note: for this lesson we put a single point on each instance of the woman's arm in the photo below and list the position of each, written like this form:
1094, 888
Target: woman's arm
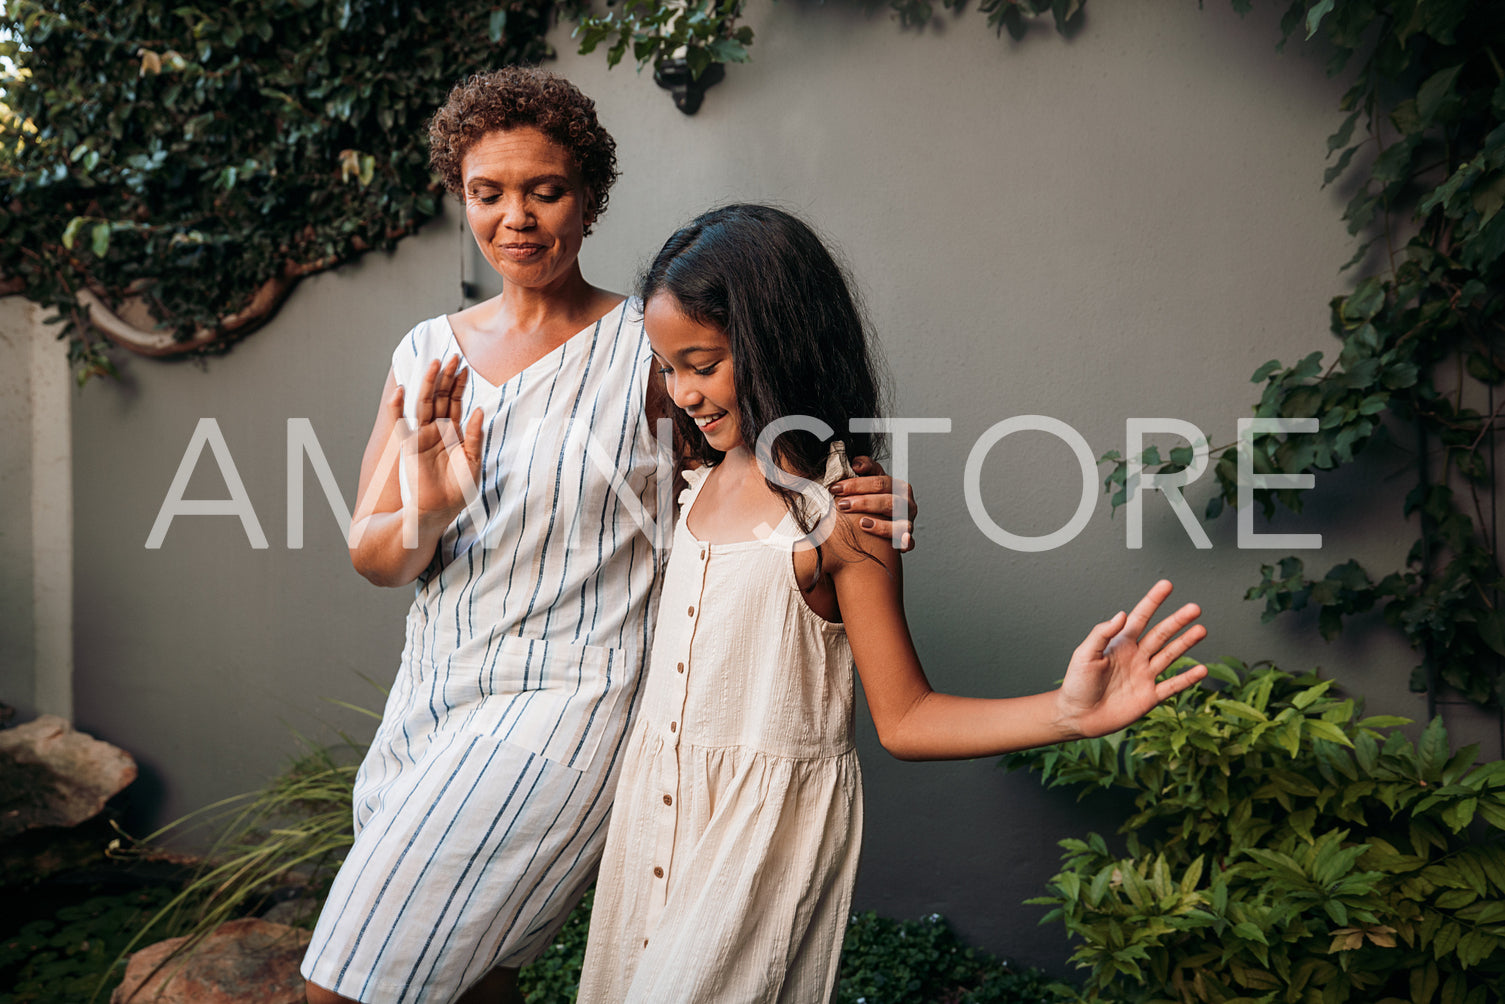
390, 544
1110, 681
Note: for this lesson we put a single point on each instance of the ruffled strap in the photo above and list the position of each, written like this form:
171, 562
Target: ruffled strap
694, 478
817, 496
838, 467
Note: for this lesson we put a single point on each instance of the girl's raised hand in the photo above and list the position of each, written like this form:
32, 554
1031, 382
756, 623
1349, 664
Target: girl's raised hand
442, 464
1112, 678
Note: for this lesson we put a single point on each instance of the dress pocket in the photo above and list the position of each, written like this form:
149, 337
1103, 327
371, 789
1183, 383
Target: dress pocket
549, 698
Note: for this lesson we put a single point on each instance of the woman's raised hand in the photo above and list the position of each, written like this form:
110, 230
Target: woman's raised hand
1112, 678
441, 463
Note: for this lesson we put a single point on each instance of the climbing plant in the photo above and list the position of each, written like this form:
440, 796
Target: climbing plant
169, 172
1420, 355
705, 33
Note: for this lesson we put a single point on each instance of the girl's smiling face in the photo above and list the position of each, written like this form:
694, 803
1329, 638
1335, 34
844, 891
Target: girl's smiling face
696, 361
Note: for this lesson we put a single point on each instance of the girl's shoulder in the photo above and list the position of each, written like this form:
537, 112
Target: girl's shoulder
848, 544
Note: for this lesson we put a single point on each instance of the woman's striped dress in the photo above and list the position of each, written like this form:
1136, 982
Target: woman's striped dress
480, 810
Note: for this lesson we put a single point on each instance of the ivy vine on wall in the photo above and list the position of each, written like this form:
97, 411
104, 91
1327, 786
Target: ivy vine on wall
1420, 357
169, 172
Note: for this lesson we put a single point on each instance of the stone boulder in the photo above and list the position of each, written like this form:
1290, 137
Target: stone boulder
246, 961
52, 776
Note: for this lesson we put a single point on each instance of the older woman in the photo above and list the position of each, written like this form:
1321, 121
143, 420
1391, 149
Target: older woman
514, 477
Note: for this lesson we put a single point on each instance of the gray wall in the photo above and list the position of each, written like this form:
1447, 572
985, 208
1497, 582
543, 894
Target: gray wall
17, 651
1121, 225
36, 515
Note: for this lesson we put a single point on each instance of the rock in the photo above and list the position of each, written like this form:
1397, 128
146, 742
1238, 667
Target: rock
51, 775
246, 961
294, 911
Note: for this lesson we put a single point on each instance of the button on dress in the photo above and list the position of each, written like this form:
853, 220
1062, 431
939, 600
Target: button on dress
737, 825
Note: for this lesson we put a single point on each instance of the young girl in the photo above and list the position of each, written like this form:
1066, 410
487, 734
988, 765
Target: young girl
736, 827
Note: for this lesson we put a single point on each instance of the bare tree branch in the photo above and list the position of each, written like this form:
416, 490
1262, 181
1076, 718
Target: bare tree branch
163, 344
128, 336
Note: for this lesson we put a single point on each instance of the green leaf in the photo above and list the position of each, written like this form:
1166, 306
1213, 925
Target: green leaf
1336, 169
1314, 16
496, 25
70, 233
1382, 722
1434, 92
1491, 627
1365, 301
1250, 932
1344, 133
1325, 730
100, 239
1264, 371
1493, 813
1238, 709
1433, 749
726, 50
1456, 899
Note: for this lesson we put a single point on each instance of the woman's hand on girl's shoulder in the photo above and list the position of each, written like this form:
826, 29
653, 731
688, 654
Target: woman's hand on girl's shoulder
877, 500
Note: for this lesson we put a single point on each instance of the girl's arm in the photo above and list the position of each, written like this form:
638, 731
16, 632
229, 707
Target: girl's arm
1110, 680
391, 545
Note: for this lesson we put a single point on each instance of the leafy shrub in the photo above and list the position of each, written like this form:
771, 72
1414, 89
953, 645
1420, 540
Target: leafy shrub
1284, 849
65, 957
882, 962
554, 977
899, 962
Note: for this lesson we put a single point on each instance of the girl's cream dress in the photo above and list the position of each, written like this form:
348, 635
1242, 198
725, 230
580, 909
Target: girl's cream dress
735, 833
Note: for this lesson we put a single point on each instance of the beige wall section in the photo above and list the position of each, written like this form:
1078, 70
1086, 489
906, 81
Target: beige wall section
1121, 225
17, 645
52, 518
36, 498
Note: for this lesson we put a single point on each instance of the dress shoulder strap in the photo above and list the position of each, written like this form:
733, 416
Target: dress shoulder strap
694, 478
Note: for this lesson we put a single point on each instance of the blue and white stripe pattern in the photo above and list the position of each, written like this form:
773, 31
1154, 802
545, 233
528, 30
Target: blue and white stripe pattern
480, 809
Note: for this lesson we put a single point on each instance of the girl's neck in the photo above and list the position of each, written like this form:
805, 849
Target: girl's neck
739, 464
737, 504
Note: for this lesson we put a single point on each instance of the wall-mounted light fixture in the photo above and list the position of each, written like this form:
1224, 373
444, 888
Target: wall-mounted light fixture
674, 76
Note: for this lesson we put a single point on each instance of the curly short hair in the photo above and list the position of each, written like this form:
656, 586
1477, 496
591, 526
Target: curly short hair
517, 96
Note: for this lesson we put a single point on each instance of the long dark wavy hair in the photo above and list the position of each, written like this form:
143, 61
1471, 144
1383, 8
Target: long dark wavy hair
799, 345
